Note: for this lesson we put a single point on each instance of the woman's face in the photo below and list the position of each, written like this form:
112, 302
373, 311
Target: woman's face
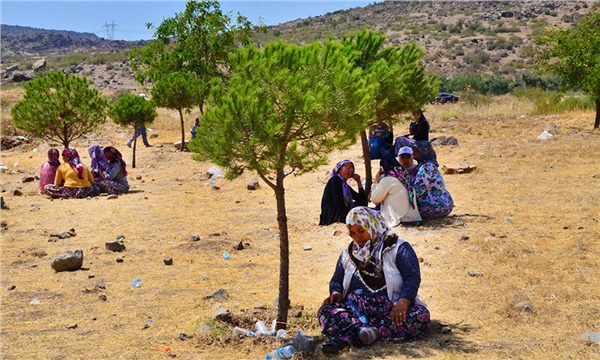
108, 156
406, 161
416, 116
347, 171
359, 235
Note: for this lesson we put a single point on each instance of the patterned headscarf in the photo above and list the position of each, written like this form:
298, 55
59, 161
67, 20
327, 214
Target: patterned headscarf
117, 157
425, 152
372, 221
345, 187
53, 156
392, 167
99, 163
72, 157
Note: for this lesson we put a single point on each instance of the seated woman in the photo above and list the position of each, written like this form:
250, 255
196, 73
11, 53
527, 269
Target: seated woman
433, 200
338, 196
393, 190
48, 170
116, 173
73, 180
373, 292
99, 163
378, 144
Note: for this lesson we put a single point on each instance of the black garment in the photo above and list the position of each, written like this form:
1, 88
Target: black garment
333, 208
421, 129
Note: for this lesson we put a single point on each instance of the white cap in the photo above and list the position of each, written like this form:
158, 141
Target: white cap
405, 150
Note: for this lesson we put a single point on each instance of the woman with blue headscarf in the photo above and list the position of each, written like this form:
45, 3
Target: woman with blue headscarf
99, 163
433, 200
338, 196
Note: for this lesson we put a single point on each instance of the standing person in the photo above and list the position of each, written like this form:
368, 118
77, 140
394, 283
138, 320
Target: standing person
433, 200
48, 170
99, 163
140, 130
116, 173
393, 190
419, 129
373, 291
193, 129
73, 179
338, 196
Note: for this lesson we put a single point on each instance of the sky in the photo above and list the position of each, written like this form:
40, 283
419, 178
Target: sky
131, 17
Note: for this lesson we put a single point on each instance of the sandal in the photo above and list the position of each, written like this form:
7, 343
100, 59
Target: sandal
333, 346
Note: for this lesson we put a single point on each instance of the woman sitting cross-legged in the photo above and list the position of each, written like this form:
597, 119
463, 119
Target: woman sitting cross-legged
433, 199
338, 196
393, 190
73, 179
48, 170
373, 292
116, 173
99, 163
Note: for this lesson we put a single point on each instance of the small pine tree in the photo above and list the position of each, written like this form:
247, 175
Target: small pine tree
59, 107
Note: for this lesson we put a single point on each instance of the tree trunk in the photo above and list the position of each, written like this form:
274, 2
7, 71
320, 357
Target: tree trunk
284, 255
367, 157
597, 122
134, 144
182, 130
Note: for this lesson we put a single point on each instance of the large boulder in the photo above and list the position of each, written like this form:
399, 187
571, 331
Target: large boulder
68, 261
19, 76
39, 65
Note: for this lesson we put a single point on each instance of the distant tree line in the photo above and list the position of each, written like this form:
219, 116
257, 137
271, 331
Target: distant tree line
499, 85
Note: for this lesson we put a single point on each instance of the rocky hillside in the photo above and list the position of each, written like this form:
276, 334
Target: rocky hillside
459, 37
23, 41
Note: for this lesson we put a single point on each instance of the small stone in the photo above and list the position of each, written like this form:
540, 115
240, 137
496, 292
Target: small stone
239, 246
184, 336
68, 261
524, 306
120, 260
112, 196
17, 192
11, 287
475, 274
507, 219
335, 233
102, 298
72, 233
120, 237
253, 184
114, 245
475, 248
146, 326
464, 237
565, 228
214, 187
34, 302
220, 294
427, 263
54, 234
421, 259
593, 337
446, 330
168, 261
222, 314
100, 286
195, 237
27, 179
306, 247
71, 326
204, 329
91, 276
64, 235
138, 177
38, 253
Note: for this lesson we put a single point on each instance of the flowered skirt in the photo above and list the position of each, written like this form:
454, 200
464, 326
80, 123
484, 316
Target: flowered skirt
111, 187
339, 320
70, 192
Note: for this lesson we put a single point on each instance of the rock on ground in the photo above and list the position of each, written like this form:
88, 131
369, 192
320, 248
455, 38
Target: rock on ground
68, 261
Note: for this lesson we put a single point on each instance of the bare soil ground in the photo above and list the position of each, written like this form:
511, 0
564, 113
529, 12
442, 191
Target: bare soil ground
527, 219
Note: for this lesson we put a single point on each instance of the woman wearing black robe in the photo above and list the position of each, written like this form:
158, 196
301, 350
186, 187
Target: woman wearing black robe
338, 196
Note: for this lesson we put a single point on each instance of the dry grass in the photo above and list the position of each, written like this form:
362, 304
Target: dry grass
530, 211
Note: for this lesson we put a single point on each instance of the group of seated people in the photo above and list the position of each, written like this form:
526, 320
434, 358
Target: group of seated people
74, 180
373, 291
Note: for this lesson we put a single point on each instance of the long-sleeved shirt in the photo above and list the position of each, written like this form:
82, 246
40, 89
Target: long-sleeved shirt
395, 204
66, 176
115, 173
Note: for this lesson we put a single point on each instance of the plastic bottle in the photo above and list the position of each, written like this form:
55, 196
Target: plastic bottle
240, 331
363, 319
285, 352
226, 256
273, 327
213, 180
136, 283
281, 334
261, 328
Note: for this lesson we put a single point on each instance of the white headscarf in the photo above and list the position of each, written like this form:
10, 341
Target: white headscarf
372, 221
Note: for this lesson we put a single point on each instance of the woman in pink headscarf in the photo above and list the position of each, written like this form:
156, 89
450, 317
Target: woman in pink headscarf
73, 179
48, 170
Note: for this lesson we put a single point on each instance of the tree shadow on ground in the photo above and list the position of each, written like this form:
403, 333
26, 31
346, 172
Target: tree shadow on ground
432, 343
455, 221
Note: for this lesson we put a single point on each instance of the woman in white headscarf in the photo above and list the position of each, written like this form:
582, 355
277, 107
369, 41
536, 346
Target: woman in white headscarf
373, 292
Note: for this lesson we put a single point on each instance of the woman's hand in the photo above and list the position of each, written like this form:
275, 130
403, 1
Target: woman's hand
400, 312
378, 175
335, 297
356, 177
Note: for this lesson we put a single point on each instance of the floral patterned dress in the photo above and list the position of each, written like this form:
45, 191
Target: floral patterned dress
370, 302
433, 200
